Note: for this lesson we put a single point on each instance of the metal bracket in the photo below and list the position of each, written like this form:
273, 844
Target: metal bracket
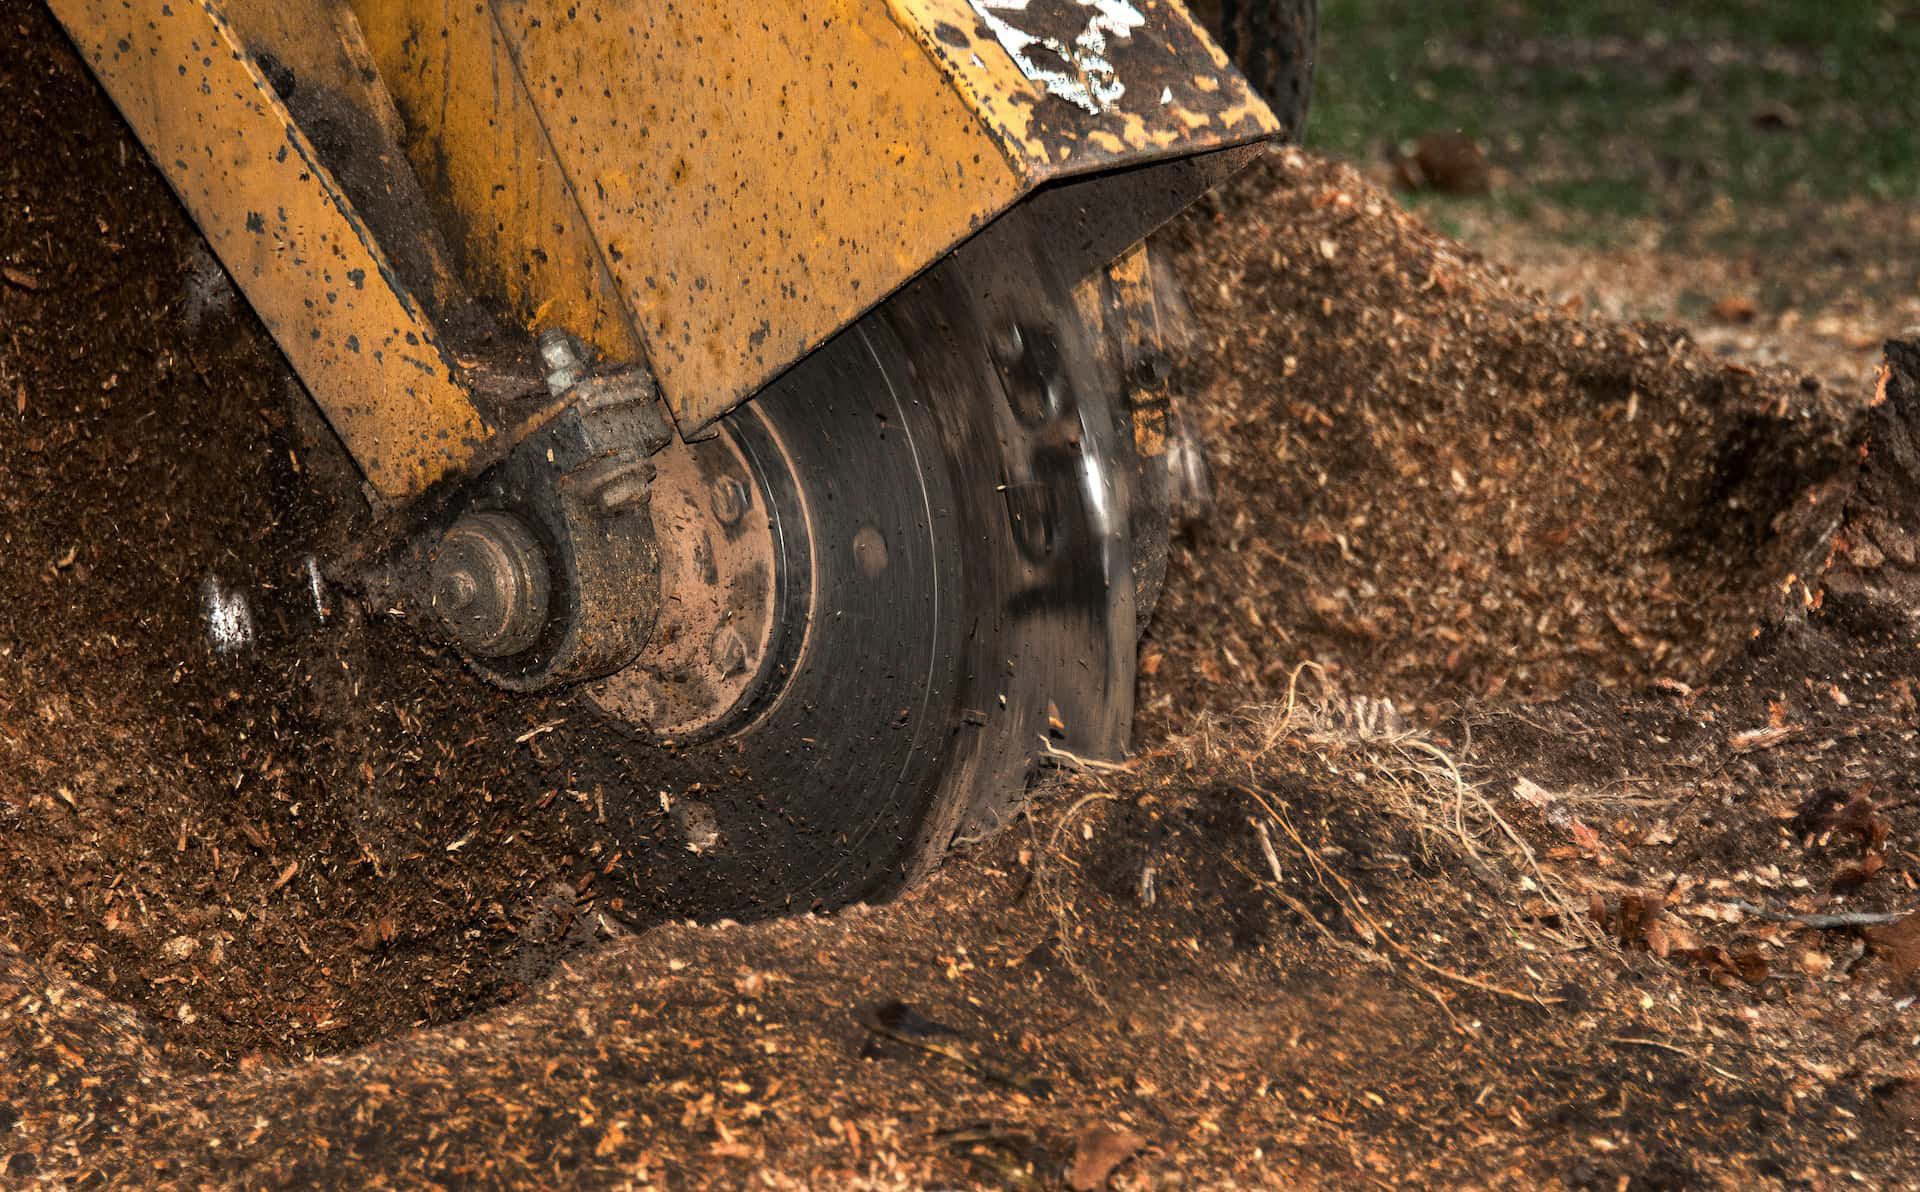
548, 572
193, 81
584, 483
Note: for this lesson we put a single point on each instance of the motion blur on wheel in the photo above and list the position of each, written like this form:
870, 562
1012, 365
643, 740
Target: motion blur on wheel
784, 377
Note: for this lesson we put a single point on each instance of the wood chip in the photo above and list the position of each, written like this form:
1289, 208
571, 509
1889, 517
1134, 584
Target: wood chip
537, 731
1762, 738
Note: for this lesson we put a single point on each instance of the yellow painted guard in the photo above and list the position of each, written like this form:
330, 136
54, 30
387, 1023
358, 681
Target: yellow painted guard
251, 179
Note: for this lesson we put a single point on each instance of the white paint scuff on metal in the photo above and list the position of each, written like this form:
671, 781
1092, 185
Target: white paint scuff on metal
1086, 76
229, 616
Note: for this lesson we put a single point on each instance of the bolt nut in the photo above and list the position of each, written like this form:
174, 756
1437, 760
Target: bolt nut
456, 589
621, 485
560, 354
730, 500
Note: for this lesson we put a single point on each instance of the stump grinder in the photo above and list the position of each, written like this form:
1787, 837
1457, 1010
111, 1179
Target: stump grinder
783, 375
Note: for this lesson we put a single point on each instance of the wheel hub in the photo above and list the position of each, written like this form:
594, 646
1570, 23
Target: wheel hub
490, 585
874, 598
732, 540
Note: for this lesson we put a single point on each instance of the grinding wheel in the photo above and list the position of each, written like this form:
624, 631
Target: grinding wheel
944, 497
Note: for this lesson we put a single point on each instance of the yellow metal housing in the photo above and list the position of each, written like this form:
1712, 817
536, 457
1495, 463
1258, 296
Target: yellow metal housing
759, 174
711, 189
474, 138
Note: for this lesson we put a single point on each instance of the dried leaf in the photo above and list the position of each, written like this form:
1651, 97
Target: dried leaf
1852, 877
1900, 944
1447, 162
1638, 915
1861, 818
1813, 962
1585, 837
1736, 308
1726, 967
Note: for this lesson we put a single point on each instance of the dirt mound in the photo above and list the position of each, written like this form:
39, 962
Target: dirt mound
304, 844
1432, 482
1239, 959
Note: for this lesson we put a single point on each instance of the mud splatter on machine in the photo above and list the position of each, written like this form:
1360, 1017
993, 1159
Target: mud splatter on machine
783, 373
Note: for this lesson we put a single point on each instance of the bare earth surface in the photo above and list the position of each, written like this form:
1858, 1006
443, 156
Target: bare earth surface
1537, 683
1817, 289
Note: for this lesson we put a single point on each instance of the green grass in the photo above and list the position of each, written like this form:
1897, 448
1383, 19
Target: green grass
1636, 108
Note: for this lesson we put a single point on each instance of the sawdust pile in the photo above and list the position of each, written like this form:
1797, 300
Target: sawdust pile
1251, 957
1653, 930
1439, 486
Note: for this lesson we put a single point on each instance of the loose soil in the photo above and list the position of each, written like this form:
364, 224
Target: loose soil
1813, 287
1431, 479
1472, 899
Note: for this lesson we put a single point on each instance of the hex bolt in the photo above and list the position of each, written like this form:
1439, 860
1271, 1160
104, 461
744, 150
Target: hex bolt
730, 500
556, 349
728, 653
625, 486
560, 353
623, 494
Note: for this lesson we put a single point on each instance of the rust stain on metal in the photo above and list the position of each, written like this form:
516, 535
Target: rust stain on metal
187, 82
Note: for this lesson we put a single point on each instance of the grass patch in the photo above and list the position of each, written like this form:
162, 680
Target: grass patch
1636, 108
